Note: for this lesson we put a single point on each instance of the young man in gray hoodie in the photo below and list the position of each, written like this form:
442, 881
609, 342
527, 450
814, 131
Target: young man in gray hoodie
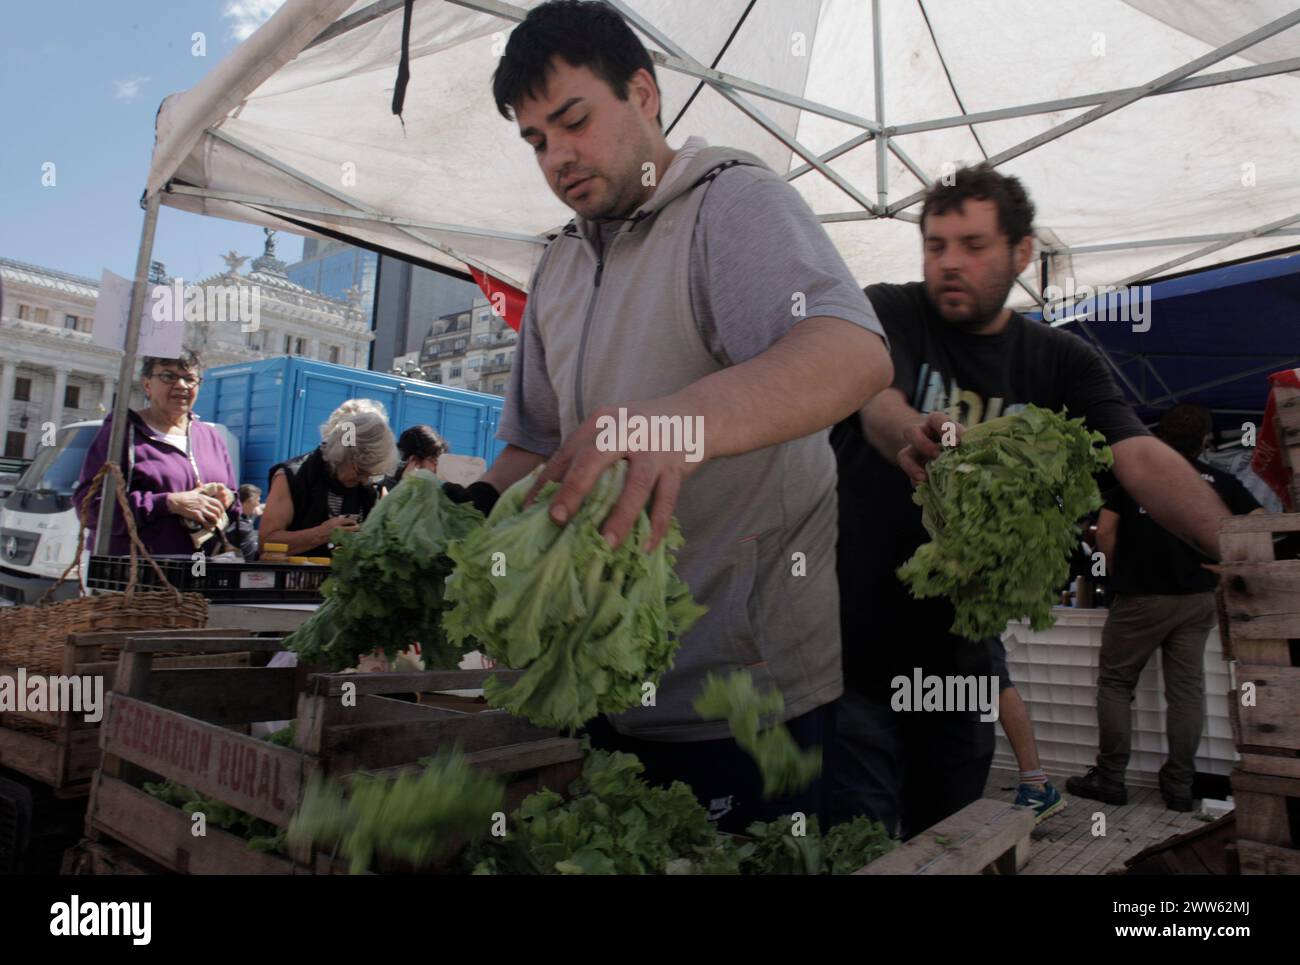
694, 283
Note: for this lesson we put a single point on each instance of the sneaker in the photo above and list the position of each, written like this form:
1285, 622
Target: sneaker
1043, 798
1096, 786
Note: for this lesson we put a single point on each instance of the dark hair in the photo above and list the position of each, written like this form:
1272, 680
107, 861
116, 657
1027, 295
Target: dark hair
984, 183
421, 442
1184, 428
590, 35
189, 361
248, 491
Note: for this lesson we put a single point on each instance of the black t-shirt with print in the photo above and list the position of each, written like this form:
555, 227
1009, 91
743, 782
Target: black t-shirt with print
1151, 560
938, 366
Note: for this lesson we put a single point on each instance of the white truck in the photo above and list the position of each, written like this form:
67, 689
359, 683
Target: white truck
38, 525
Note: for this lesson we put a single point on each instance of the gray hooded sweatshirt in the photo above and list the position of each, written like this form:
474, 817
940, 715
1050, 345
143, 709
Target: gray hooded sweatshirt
614, 323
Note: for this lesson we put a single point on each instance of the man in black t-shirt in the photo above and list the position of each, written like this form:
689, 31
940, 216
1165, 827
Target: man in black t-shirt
960, 356
1162, 597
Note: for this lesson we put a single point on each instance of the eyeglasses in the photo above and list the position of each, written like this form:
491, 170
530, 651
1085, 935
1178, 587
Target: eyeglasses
171, 378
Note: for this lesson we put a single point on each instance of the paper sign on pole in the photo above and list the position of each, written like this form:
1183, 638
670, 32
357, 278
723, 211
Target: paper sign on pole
162, 339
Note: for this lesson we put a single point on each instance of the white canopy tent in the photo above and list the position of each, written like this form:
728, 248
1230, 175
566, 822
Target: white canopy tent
1151, 134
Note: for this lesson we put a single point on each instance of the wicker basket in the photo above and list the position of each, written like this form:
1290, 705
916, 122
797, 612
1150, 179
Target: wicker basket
34, 637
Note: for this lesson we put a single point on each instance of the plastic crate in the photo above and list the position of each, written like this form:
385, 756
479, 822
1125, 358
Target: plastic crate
218, 581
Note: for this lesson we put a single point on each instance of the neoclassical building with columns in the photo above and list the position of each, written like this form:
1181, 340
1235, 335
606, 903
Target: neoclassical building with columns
52, 371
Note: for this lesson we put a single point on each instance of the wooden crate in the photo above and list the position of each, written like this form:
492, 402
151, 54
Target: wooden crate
985, 837
89, 857
1260, 615
1261, 594
60, 748
1268, 817
176, 724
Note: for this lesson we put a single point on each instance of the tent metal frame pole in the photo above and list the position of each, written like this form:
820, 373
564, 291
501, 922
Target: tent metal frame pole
1105, 353
381, 8
1164, 242
125, 371
718, 79
1146, 363
882, 141
1112, 104
1224, 380
353, 203
352, 214
831, 155
1210, 249
1088, 100
677, 60
756, 115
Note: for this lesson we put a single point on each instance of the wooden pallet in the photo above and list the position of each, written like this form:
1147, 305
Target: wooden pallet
1260, 614
176, 724
60, 748
1260, 593
985, 837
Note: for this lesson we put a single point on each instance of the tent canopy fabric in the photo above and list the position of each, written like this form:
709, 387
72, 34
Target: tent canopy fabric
1210, 339
294, 128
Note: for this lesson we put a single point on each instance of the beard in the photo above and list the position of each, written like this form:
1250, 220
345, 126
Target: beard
984, 302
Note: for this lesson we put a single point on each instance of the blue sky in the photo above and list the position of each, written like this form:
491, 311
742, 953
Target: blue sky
80, 83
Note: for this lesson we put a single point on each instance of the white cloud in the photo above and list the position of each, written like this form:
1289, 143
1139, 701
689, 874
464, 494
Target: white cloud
247, 15
129, 90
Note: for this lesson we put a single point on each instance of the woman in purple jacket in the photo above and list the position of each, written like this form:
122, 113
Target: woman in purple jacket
169, 455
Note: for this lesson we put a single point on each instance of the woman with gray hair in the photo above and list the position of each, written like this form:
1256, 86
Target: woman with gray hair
334, 486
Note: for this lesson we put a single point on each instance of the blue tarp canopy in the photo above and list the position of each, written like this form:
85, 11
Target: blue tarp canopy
1214, 337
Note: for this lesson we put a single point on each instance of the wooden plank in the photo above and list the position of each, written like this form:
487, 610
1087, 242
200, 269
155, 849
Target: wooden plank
93, 858
1237, 547
963, 844
33, 756
226, 695
259, 618
163, 833
427, 681
1261, 801
374, 708
1273, 652
1258, 858
249, 774
1269, 764
82, 757
510, 759
197, 660
209, 645
515, 758
1262, 600
356, 747
1261, 523
1273, 722
1225, 627
89, 643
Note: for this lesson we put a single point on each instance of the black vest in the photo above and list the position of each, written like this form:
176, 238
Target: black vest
310, 482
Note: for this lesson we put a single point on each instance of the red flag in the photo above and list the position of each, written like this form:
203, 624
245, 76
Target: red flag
505, 299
